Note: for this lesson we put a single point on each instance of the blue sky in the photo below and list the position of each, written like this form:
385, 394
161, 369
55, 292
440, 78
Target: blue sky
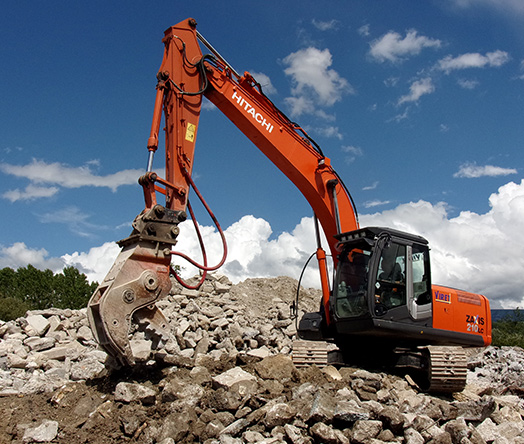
418, 104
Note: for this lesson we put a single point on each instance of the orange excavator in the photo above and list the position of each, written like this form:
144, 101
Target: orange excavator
381, 300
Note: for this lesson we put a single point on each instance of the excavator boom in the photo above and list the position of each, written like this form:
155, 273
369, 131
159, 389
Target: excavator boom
140, 276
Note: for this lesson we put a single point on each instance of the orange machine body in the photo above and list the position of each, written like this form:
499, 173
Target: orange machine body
462, 312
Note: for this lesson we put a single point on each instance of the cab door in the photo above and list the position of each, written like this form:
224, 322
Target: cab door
402, 283
419, 283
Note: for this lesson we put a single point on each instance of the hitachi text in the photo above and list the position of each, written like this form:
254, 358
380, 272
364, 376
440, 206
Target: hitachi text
251, 110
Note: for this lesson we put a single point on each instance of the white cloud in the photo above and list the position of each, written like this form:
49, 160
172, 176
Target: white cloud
391, 81
331, 132
251, 251
76, 221
19, 255
39, 173
300, 105
314, 83
95, 263
468, 84
376, 203
417, 89
31, 192
373, 186
507, 6
471, 171
393, 48
265, 82
364, 30
352, 152
327, 25
473, 60
468, 251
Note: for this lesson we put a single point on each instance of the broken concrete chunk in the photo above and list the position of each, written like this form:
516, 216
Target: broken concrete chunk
36, 343
130, 392
37, 325
45, 432
237, 380
87, 369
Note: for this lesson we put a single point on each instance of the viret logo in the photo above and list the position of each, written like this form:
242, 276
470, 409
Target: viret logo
443, 297
251, 110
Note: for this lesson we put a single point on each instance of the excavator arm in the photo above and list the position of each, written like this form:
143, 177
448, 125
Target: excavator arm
141, 273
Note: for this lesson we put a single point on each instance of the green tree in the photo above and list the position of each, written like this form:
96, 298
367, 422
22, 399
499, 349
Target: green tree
72, 290
12, 308
29, 288
509, 331
35, 287
8, 282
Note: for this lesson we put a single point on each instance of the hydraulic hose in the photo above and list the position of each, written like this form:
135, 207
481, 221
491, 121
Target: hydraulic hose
203, 266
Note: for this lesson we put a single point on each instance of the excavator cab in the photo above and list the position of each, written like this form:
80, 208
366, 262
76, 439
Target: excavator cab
382, 294
382, 278
381, 274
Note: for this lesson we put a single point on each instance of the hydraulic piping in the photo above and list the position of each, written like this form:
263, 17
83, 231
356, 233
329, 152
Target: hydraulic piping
203, 266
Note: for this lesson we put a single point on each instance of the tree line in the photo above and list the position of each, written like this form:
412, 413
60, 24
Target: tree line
29, 288
509, 330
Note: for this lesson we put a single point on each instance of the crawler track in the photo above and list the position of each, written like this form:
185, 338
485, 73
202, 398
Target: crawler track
445, 367
447, 370
310, 352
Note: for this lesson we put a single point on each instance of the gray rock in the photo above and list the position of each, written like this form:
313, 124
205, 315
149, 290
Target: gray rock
322, 408
141, 349
36, 343
57, 353
45, 432
262, 352
237, 380
200, 375
295, 435
275, 402
363, 431
87, 369
348, 412
129, 392
458, 429
443, 438
393, 419
177, 425
278, 367
477, 410
279, 415
411, 436
37, 325
511, 430
221, 288
187, 394
84, 333
488, 430
326, 434
235, 428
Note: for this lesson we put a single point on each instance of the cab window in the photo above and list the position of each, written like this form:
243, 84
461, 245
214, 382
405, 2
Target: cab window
421, 290
351, 284
390, 291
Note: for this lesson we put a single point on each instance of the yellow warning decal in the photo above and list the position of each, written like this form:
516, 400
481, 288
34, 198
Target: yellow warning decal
190, 132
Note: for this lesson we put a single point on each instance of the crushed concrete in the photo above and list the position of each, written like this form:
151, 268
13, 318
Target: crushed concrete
226, 376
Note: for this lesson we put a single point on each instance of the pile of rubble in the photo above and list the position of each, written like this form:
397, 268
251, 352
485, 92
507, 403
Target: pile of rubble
226, 376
